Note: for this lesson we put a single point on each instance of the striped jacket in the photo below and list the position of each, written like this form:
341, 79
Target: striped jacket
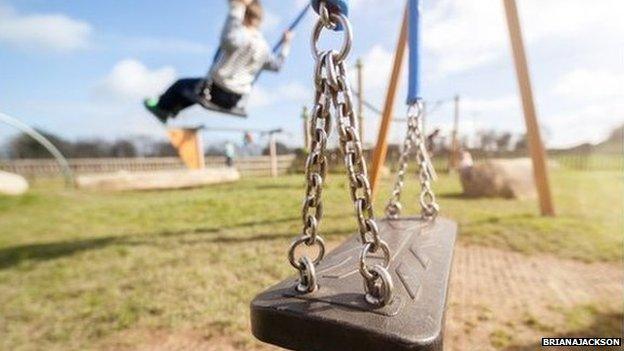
244, 53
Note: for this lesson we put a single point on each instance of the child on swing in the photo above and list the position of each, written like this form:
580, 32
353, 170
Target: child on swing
244, 53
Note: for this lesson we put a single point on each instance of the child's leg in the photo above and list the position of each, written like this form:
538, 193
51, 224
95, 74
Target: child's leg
176, 98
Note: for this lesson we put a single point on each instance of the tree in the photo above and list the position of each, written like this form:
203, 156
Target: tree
123, 148
281, 149
23, 146
487, 140
503, 141
522, 144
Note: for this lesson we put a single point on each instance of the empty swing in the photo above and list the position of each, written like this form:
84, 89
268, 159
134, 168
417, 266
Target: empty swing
201, 94
385, 288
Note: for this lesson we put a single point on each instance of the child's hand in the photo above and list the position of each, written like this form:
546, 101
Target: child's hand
288, 36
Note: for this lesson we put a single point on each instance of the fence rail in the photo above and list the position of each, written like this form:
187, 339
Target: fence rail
40, 168
258, 166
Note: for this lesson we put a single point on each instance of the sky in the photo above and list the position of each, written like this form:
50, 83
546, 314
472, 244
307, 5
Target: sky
80, 69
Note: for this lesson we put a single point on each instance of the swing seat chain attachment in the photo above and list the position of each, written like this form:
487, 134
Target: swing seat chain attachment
333, 98
415, 138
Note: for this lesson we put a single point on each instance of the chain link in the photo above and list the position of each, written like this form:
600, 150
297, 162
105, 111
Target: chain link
377, 281
415, 138
315, 173
333, 97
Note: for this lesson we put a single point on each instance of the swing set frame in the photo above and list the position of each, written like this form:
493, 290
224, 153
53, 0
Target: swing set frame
536, 145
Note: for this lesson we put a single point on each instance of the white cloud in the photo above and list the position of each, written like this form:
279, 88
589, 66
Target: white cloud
589, 123
463, 35
596, 105
292, 92
131, 80
56, 32
377, 66
588, 84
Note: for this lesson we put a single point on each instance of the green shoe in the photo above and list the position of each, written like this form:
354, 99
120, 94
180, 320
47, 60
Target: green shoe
151, 105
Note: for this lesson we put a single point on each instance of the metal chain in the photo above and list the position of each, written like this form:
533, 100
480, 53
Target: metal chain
394, 207
377, 280
415, 137
426, 173
333, 96
315, 172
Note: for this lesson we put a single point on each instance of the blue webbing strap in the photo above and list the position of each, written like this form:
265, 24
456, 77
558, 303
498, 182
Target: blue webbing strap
333, 6
415, 42
341, 6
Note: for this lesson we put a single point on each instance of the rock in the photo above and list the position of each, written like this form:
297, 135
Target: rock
507, 178
157, 180
12, 184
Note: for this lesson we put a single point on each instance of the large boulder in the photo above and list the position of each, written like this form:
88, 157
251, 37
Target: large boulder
507, 178
157, 180
12, 184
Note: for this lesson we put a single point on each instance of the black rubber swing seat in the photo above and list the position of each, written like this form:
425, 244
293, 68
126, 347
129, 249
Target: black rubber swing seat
195, 96
337, 317
208, 105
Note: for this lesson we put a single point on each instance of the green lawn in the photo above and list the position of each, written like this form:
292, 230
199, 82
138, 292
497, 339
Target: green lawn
77, 269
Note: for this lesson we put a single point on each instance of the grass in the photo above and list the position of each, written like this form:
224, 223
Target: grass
79, 269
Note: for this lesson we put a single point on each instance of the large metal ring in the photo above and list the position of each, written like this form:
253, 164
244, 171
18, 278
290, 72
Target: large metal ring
303, 240
346, 42
380, 289
368, 248
307, 276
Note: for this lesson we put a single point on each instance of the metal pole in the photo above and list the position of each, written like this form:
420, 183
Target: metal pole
453, 157
273, 154
62, 161
381, 149
536, 146
305, 115
360, 92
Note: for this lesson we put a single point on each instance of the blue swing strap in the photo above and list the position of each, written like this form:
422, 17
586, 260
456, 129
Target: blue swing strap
333, 7
415, 42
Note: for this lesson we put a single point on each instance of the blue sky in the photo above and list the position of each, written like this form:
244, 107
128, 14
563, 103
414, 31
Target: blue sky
79, 69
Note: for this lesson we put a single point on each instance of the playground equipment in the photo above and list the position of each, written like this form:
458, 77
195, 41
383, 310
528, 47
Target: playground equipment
188, 142
12, 184
536, 146
157, 180
404, 263
271, 133
200, 94
62, 161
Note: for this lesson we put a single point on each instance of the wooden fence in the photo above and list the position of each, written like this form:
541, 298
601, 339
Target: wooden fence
258, 166
255, 166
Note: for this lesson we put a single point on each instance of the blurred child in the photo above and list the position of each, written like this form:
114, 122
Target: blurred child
244, 53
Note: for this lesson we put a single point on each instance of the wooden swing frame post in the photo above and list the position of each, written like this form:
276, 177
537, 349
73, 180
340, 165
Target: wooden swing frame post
536, 146
381, 149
